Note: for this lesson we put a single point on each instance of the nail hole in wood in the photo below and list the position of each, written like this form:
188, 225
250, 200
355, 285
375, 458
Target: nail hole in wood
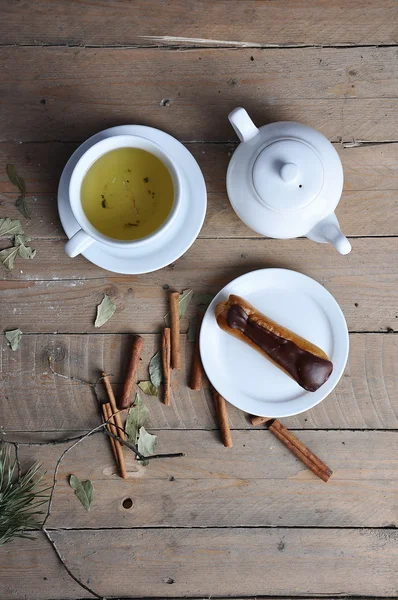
127, 503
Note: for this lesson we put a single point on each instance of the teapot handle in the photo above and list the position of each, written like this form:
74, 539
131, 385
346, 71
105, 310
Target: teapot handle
244, 127
328, 230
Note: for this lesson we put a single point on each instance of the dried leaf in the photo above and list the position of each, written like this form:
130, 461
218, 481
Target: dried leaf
10, 227
83, 489
203, 299
146, 444
15, 179
23, 207
183, 303
8, 256
21, 239
148, 388
26, 251
23, 250
13, 337
156, 369
104, 311
136, 418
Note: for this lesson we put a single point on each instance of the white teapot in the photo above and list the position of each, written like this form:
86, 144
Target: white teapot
285, 180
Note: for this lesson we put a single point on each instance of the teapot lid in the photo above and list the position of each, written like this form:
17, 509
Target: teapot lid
288, 174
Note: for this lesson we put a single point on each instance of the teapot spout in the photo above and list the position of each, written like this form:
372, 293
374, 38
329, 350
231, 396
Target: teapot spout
244, 127
328, 230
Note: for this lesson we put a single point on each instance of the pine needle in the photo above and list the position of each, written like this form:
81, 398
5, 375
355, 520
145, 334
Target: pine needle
20, 499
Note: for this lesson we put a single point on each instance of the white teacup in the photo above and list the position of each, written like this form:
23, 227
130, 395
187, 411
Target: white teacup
87, 235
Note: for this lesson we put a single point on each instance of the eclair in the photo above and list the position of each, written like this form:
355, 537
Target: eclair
304, 362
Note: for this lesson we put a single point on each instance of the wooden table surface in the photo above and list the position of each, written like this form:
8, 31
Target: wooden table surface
251, 520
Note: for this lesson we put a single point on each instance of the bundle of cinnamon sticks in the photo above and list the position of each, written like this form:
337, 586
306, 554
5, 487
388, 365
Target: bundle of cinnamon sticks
171, 350
171, 358
111, 411
111, 416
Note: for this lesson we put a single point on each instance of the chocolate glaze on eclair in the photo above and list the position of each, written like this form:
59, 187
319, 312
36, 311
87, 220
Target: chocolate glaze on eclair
308, 370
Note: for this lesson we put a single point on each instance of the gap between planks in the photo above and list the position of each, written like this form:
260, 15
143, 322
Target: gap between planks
171, 429
198, 44
193, 527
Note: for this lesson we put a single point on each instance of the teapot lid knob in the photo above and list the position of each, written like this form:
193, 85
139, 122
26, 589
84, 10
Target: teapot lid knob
289, 172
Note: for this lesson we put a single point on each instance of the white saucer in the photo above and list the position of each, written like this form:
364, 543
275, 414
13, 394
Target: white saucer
247, 379
175, 240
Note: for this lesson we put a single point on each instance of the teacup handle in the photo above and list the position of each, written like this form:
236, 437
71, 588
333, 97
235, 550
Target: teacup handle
78, 243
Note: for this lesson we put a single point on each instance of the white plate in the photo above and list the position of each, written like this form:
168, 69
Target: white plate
175, 240
246, 378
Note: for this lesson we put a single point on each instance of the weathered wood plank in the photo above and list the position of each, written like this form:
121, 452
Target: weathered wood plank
256, 483
368, 207
206, 562
365, 283
34, 399
153, 22
345, 93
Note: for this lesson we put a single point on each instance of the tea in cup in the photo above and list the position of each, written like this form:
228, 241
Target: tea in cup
124, 191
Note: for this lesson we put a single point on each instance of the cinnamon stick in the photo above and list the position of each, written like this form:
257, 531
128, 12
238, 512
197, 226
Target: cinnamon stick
258, 420
300, 450
114, 410
196, 368
115, 425
221, 407
136, 348
175, 330
166, 353
106, 411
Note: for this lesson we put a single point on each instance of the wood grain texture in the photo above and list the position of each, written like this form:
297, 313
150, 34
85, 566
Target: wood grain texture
327, 562
36, 400
364, 283
200, 22
345, 93
256, 483
369, 205
251, 520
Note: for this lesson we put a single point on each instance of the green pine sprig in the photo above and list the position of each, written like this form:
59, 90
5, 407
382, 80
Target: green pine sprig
20, 498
